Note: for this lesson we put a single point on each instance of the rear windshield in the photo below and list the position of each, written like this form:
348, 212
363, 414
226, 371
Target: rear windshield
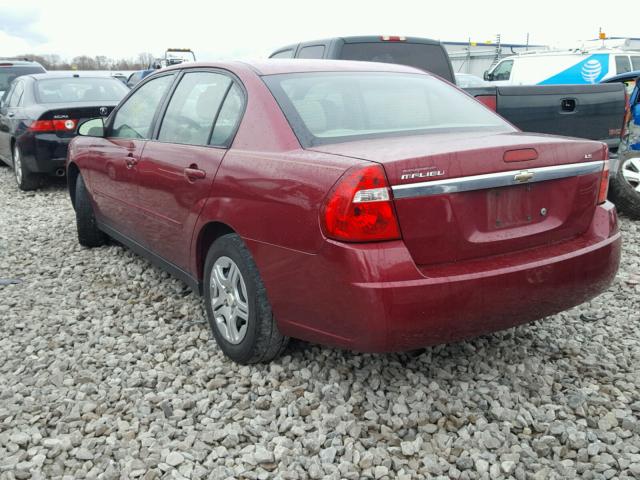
431, 58
70, 90
7, 74
329, 107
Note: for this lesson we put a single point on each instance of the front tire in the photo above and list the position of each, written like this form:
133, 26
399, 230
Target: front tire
89, 235
238, 310
625, 187
25, 179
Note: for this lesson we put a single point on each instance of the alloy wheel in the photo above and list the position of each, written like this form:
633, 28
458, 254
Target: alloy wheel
17, 165
631, 172
229, 300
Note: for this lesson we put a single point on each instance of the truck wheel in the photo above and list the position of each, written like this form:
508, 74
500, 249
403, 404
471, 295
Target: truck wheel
625, 187
88, 233
25, 179
237, 307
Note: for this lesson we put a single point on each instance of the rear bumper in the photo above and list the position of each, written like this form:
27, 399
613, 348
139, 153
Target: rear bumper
44, 152
374, 298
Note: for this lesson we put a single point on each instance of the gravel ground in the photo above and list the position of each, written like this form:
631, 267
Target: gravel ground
107, 371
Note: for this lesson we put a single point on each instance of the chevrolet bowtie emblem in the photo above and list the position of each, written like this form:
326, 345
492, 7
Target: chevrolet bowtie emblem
523, 176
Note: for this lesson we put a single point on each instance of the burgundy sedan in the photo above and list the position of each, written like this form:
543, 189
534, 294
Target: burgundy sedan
365, 205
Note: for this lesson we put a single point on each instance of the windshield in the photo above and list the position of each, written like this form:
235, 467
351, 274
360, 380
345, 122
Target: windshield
333, 107
70, 90
8, 74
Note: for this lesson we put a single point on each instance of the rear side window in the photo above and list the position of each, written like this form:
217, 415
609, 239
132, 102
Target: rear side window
133, 120
193, 108
228, 118
431, 58
315, 51
283, 54
622, 64
635, 63
336, 107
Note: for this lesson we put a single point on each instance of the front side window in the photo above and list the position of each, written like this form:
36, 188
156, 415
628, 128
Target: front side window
8, 95
503, 70
133, 120
622, 64
16, 97
333, 107
193, 108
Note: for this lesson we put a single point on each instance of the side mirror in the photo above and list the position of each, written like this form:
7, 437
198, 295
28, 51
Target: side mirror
487, 76
92, 128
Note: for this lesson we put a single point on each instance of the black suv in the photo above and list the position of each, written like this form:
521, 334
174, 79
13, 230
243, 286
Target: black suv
11, 69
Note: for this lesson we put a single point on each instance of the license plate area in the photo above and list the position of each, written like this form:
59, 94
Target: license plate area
509, 207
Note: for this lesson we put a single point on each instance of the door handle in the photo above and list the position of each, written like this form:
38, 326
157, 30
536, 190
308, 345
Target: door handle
131, 161
11, 114
194, 173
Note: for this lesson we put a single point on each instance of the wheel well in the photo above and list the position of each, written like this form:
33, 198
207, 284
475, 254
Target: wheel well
72, 177
209, 234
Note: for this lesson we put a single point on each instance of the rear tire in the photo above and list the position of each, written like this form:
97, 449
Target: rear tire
238, 309
625, 187
25, 179
89, 235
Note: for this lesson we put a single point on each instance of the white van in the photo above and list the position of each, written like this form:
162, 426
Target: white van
563, 67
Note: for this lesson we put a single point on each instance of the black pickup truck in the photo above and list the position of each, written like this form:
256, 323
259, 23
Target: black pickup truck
595, 112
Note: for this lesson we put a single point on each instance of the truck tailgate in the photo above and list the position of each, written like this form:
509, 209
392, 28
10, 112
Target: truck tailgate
595, 112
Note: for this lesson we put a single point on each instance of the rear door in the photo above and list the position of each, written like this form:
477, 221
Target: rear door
113, 167
178, 167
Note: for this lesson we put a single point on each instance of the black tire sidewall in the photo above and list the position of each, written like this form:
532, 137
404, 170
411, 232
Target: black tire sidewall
22, 185
626, 199
226, 246
89, 235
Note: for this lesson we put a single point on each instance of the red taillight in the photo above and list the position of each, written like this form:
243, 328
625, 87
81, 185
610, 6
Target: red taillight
604, 181
66, 125
489, 101
359, 208
392, 38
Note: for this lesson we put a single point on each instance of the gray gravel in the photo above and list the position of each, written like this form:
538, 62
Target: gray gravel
107, 371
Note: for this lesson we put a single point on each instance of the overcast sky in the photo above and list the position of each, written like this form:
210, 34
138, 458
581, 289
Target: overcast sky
253, 29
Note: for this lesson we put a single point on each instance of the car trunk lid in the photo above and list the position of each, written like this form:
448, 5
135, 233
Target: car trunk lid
460, 196
79, 112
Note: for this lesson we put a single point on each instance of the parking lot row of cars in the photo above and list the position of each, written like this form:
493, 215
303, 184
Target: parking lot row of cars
368, 205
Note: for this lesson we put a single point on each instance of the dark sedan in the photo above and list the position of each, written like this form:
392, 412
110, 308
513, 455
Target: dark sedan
39, 115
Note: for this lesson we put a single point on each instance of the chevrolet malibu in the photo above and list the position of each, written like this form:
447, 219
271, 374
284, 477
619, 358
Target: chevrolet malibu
363, 205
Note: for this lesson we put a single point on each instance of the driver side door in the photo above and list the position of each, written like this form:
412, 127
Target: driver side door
113, 168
